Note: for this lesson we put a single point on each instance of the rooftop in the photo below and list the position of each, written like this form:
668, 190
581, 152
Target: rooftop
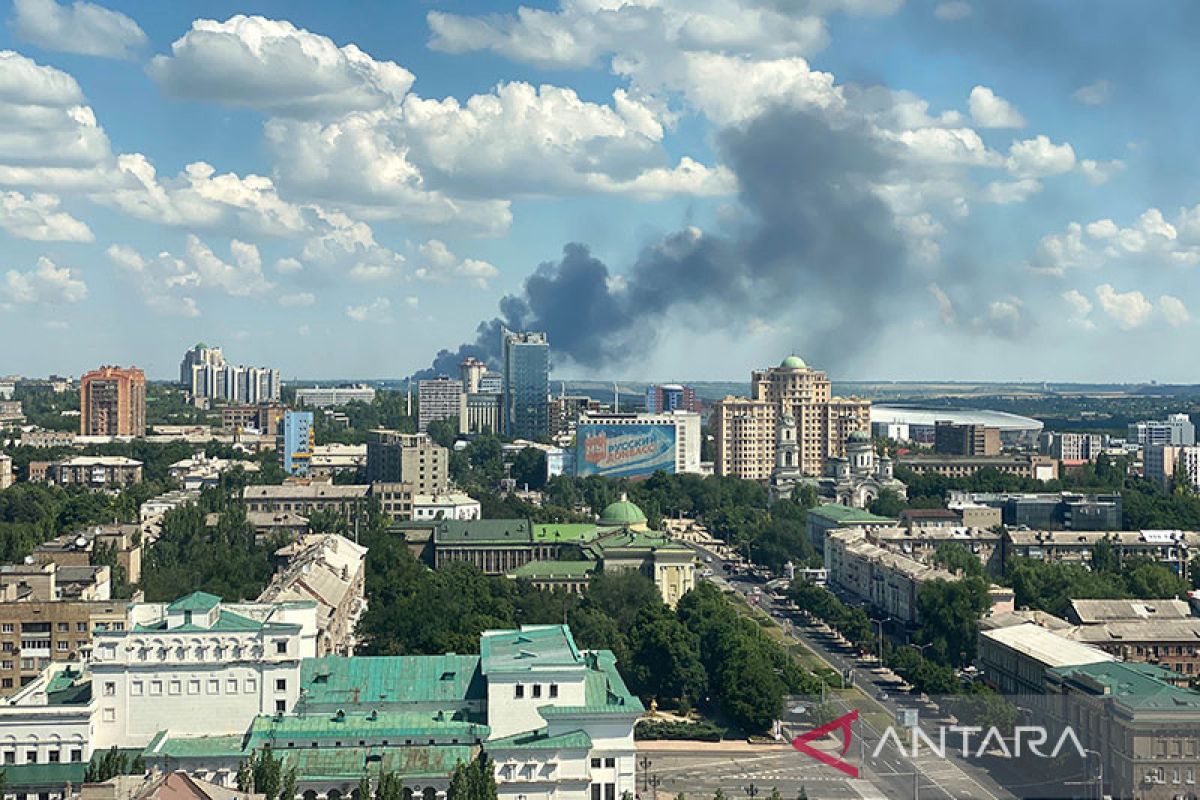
1132, 684
578, 532
835, 512
196, 601
541, 740
306, 491
549, 570
1045, 647
533, 646
334, 682
349, 763
622, 512
503, 531
373, 724
1088, 612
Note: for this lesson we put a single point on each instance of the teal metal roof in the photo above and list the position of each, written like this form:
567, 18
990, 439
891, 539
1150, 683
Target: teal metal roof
334, 682
1132, 684
622, 512
549, 570
227, 622
29, 776
604, 690
349, 763
626, 539
531, 646
540, 740
351, 727
835, 512
480, 531
196, 601
166, 746
569, 532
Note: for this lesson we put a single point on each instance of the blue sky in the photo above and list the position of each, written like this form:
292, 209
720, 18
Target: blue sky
343, 193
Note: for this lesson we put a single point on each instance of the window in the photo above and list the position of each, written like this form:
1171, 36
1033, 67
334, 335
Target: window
76, 756
596, 789
10, 756
62, 646
214, 686
110, 689
63, 627
231, 686
193, 687
610, 762
81, 627
596, 763
6, 665
7, 627
155, 687
280, 706
281, 684
537, 690
610, 791
54, 756
7, 683
554, 690
519, 691
31, 756
135, 688
251, 686
110, 715
281, 646
175, 687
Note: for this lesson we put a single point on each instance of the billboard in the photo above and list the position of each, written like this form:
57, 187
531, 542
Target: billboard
624, 451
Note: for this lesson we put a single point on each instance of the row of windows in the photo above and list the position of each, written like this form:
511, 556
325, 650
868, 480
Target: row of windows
52, 757
211, 686
535, 690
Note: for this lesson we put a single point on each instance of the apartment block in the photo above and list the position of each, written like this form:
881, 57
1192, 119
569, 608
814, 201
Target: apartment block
955, 439
441, 398
35, 632
112, 402
412, 458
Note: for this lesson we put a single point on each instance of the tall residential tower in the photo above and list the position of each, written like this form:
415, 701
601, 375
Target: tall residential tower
525, 358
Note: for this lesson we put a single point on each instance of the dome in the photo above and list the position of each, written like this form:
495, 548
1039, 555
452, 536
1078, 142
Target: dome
859, 436
622, 512
793, 362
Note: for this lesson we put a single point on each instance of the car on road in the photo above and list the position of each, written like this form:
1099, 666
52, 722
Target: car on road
881, 696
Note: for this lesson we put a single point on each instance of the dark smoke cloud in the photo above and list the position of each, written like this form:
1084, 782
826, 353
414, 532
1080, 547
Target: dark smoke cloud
817, 251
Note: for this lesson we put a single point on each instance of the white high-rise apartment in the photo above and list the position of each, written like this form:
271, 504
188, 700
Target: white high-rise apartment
438, 399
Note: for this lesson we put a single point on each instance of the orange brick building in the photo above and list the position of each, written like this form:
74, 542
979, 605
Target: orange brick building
112, 402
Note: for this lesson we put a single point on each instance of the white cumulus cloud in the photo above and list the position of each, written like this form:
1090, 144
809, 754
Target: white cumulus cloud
1174, 310
47, 283
1129, 309
80, 27
988, 110
378, 310
1094, 94
274, 66
438, 263
37, 217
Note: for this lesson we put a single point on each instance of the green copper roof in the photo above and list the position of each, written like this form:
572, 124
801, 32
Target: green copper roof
349, 763
1132, 684
334, 682
227, 622
396, 726
622, 512
490, 531
28, 776
568, 532
531, 646
549, 570
196, 601
793, 362
839, 513
638, 540
540, 740
165, 746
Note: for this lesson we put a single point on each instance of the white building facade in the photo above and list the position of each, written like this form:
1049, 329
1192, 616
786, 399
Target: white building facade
197, 666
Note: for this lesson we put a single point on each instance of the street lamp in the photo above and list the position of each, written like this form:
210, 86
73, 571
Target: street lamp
880, 623
751, 791
644, 762
920, 647
1099, 772
654, 782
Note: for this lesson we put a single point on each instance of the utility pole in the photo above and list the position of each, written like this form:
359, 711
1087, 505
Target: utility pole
644, 762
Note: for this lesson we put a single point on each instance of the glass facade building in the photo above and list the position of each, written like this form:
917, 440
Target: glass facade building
526, 384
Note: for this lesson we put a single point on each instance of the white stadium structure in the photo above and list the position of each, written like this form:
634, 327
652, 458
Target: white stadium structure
916, 424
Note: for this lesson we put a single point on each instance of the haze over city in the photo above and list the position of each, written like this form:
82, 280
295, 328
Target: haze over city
977, 191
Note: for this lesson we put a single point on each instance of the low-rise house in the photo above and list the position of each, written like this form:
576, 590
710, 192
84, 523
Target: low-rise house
122, 544
451, 505
819, 521
200, 471
1014, 659
308, 497
1172, 548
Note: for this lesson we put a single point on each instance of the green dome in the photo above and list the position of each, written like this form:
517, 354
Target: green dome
793, 362
860, 436
622, 512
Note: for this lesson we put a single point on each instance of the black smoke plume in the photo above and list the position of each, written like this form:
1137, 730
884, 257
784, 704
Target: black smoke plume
816, 252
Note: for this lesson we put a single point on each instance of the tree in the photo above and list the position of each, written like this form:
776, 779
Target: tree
888, 504
529, 468
666, 662
266, 772
443, 431
955, 557
287, 789
1104, 557
364, 786
390, 787
950, 612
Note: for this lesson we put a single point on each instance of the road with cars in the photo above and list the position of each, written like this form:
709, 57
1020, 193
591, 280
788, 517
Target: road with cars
892, 772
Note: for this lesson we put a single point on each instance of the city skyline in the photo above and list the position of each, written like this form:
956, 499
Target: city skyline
894, 191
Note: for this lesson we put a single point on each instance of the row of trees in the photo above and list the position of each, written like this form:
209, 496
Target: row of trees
702, 654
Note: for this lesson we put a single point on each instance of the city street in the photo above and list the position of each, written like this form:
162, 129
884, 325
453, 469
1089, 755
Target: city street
892, 773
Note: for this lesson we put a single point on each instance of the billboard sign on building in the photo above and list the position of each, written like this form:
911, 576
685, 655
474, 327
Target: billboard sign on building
624, 451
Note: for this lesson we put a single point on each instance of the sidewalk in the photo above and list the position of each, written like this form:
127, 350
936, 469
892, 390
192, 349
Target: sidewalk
730, 746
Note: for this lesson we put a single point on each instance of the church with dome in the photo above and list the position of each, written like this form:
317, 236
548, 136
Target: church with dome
855, 479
